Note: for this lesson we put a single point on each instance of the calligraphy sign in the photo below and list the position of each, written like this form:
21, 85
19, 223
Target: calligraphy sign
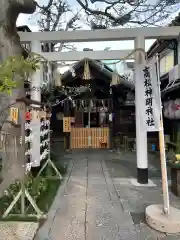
66, 124
151, 96
14, 114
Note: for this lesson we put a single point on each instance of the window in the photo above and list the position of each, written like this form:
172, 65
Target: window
166, 61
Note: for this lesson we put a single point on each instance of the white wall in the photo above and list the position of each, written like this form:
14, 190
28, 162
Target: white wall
166, 61
179, 51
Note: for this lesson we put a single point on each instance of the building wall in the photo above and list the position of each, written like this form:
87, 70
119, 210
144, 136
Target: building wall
179, 51
166, 61
122, 68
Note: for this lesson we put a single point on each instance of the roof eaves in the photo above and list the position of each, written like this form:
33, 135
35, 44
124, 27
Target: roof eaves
22, 28
152, 49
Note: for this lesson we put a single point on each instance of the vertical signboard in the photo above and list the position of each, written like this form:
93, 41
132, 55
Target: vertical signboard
14, 113
150, 104
35, 143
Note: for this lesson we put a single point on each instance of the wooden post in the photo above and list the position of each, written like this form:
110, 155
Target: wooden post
66, 134
162, 152
23, 148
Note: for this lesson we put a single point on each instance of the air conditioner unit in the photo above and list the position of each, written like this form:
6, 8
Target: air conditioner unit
174, 73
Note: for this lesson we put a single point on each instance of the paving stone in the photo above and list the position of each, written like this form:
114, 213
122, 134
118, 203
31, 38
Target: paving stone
18, 230
100, 203
147, 233
69, 220
170, 237
105, 216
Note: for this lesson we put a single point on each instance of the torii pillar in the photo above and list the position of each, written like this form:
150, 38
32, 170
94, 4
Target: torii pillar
36, 95
141, 134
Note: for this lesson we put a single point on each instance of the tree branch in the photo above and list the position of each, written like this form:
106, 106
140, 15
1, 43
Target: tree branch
51, 19
121, 12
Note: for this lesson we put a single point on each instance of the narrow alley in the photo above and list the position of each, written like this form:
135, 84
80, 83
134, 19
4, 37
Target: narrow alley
94, 204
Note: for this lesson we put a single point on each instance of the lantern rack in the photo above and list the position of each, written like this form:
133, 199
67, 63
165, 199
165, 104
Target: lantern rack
25, 141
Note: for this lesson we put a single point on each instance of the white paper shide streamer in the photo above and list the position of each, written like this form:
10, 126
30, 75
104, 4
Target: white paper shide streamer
36, 156
35, 143
150, 104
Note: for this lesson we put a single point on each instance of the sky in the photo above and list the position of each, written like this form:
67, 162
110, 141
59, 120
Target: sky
114, 45
30, 20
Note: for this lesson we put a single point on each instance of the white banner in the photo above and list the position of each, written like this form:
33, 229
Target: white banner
35, 143
148, 83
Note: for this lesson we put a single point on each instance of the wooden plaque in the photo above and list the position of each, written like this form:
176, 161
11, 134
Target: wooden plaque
66, 124
14, 115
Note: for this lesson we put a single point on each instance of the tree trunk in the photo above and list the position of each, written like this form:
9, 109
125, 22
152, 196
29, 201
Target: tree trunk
12, 161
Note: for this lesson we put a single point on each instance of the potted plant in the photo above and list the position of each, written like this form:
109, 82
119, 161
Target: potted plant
174, 164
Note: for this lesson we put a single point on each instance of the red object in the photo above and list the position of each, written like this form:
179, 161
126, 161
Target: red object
177, 107
28, 116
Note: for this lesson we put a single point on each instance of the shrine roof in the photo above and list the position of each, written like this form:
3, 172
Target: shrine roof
23, 28
104, 71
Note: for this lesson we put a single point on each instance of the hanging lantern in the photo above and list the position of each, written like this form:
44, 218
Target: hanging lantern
28, 116
73, 103
91, 104
87, 74
110, 91
115, 78
82, 103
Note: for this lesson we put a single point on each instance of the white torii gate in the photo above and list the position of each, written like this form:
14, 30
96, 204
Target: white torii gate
169, 220
137, 34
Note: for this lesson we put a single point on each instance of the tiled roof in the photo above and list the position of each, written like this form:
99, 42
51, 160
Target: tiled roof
23, 28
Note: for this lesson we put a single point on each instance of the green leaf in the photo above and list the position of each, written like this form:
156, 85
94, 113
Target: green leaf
14, 70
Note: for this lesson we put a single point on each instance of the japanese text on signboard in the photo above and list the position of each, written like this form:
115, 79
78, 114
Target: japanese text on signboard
149, 117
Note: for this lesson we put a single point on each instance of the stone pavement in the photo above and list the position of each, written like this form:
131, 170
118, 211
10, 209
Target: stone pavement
98, 202
18, 230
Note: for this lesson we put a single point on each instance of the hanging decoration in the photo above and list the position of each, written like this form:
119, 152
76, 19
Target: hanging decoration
115, 78
87, 74
72, 70
74, 104
91, 104
82, 103
57, 79
102, 113
110, 91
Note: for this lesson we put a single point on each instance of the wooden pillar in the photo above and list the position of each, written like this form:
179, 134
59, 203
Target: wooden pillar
79, 119
67, 134
110, 125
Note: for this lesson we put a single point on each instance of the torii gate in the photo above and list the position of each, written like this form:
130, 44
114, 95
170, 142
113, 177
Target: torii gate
137, 34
